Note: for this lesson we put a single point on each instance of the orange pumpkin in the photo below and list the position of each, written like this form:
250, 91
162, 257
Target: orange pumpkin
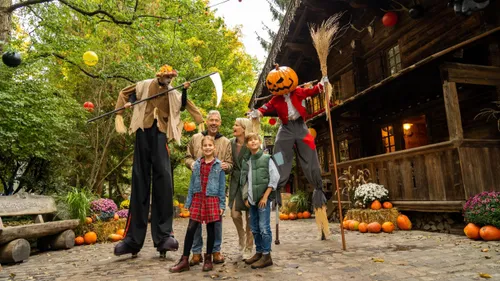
292, 216
306, 214
345, 224
186, 214
115, 237
489, 233
281, 80
472, 231
88, 220
363, 227
404, 222
189, 126
374, 227
116, 217
181, 205
90, 237
388, 227
353, 225
283, 217
376, 205
181, 215
387, 205
300, 215
121, 232
79, 240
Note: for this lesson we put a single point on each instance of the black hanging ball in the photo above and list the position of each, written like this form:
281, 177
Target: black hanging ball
416, 12
11, 59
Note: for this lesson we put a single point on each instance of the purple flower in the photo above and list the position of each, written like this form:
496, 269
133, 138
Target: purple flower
122, 213
103, 206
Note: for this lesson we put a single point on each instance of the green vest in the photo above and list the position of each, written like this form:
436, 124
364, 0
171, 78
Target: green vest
260, 175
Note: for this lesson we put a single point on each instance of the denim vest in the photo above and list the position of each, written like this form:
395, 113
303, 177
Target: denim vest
216, 185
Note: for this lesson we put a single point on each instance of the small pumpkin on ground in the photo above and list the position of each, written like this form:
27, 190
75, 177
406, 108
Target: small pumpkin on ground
79, 241
300, 215
376, 205
90, 237
363, 227
388, 227
292, 216
387, 205
472, 231
121, 232
306, 214
345, 224
374, 227
489, 233
283, 217
115, 237
354, 225
404, 222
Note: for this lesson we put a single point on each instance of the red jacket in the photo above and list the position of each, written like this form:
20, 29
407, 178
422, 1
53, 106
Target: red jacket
278, 104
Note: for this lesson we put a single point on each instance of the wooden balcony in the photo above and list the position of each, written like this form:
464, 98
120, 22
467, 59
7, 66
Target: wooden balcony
437, 177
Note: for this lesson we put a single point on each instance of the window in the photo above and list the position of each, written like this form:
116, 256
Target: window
321, 158
344, 150
388, 139
394, 60
415, 131
336, 90
316, 103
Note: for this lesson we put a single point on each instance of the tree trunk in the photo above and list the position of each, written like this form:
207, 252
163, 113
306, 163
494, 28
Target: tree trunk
15, 251
5, 22
65, 240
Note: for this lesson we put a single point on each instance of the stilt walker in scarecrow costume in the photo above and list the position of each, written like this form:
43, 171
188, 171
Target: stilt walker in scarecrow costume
287, 103
155, 122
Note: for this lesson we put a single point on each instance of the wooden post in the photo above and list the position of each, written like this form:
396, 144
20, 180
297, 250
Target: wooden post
452, 108
64, 240
15, 251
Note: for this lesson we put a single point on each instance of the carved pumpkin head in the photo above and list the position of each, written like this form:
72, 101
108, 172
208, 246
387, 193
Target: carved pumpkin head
281, 80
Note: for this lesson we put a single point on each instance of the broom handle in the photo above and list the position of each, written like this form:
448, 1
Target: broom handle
148, 98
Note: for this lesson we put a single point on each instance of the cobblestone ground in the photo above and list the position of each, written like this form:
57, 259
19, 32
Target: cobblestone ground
411, 255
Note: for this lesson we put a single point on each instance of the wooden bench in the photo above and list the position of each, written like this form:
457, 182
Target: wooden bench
51, 235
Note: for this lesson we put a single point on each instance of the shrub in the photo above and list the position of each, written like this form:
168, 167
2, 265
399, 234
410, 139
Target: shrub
125, 204
76, 203
483, 209
103, 206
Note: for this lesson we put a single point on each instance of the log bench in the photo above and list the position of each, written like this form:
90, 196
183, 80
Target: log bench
52, 235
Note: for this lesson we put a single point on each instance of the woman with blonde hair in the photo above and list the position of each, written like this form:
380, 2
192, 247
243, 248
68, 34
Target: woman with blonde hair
241, 127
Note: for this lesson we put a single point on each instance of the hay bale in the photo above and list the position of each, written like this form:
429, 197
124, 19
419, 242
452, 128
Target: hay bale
369, 215
102, 228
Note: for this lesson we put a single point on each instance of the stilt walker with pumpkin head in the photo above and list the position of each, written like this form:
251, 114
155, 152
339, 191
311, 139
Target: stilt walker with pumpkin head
155, 122
287, 104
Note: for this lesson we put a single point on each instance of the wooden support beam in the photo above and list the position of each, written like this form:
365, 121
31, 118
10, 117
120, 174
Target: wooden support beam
472, 74
452, 108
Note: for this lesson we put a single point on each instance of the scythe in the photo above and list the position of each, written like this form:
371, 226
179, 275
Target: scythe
214, 76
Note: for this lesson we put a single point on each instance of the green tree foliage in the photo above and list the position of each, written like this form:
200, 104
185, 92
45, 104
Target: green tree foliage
41, 100
278, 9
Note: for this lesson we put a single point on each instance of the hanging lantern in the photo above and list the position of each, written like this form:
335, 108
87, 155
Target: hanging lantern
89, 106
390, 19
90, 58
11, 59
312, 132
189, 126
272, 121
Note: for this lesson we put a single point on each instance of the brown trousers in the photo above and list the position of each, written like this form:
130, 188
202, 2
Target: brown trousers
246, 243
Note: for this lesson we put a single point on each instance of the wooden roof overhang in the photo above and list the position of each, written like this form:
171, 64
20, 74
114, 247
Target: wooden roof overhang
404, 72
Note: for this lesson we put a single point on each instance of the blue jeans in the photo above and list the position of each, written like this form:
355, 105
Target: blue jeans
260, 222
198, 239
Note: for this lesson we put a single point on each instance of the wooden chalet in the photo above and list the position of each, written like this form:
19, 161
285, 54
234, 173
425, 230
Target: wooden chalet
406, 96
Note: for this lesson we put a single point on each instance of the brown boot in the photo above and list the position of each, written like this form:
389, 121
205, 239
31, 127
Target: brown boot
195, 260
253, 259
265, 261
207, 263
218, 258
182, 265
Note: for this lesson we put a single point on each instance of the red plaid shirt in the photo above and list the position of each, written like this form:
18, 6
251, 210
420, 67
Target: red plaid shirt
205, 208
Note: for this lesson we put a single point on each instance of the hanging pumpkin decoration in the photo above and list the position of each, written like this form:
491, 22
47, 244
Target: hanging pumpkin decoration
90, 58
11, 59
272, 121
312, 132
281, 80
89, 106
189, 126
390, 19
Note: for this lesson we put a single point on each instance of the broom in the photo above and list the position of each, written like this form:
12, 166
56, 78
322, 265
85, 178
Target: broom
322, 37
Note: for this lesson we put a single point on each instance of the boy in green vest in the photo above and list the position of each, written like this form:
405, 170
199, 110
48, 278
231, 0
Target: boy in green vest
259, 176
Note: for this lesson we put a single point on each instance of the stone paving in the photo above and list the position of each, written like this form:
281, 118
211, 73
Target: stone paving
409, 255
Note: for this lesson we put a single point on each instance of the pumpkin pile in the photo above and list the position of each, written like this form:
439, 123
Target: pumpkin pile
184, 213
375, 227
294, 216
295, 206
487, 232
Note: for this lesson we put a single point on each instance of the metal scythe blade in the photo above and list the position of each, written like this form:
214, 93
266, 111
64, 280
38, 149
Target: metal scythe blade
218, 86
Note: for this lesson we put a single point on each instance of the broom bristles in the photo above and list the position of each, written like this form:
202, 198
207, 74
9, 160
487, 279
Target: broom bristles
322, 37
